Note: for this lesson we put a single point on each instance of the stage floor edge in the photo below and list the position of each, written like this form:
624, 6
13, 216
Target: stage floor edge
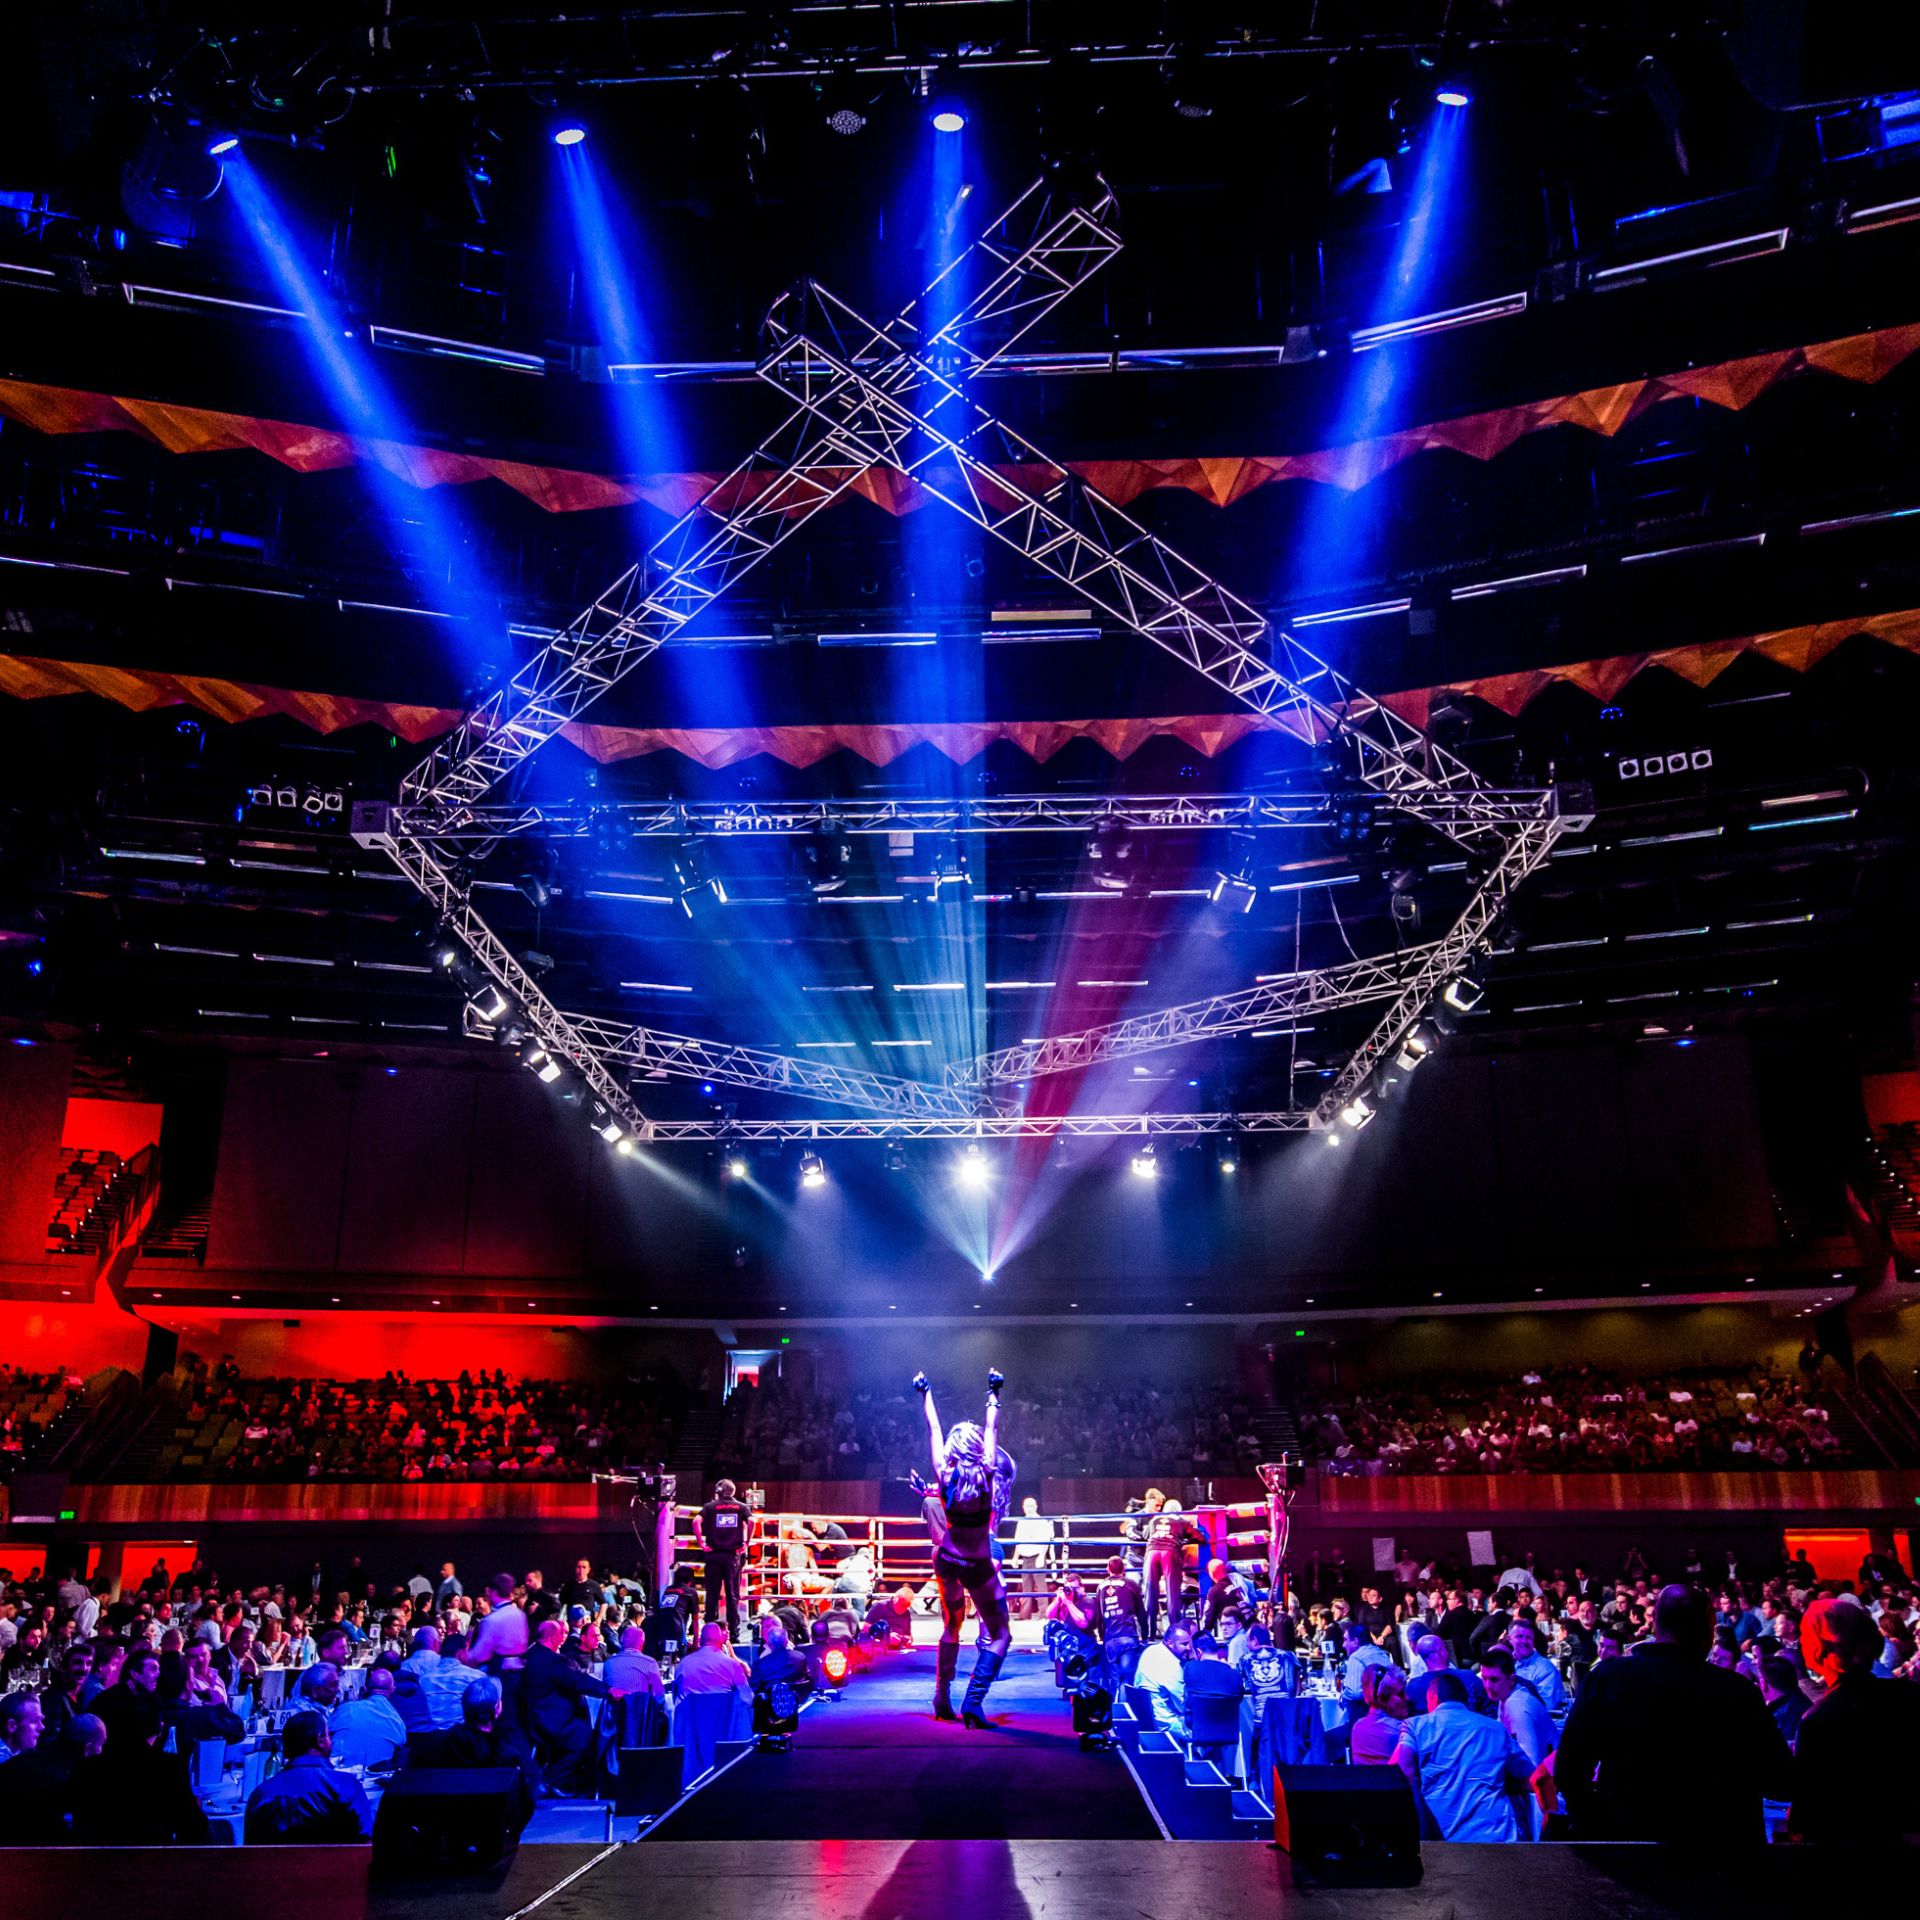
928, 1880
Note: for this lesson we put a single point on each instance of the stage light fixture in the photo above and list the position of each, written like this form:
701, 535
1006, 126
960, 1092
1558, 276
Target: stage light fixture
1112, 855
691, 879
736, 1165
1332, 1136
568, 136
1452, 96
813, 1170
1413, 1049
826, 858
605, 1123
1465, 993
222, 143
625, 1144
542, 1065
1146, 1163
971, 1172
490, 1005
948, 115
1359, 1112
1233, 892
895, 1157
845, 103
1227, 1156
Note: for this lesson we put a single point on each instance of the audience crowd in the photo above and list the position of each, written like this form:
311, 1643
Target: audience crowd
472, 1427
1578, 1420
1080, 1426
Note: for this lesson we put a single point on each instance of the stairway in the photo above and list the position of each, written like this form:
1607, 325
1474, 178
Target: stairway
1193, 1798
1278, 1434
178, 1233
693, 1447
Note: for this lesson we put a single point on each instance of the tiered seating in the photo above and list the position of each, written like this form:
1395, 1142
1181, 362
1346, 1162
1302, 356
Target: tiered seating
1582, 1420
1894, 1174
396, 1428
81, 1199
29, 1405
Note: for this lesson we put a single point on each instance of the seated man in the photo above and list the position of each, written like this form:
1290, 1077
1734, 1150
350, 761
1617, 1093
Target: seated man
1438, 1658
309, 1802
778, 1659
36, 1789
130, 1792
369, 1732
632, 1669
477, 1742
890, 1619
712, 1668
1161, 1673
556, 1696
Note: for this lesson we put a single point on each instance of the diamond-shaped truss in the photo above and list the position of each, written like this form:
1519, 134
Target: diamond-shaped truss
898, 395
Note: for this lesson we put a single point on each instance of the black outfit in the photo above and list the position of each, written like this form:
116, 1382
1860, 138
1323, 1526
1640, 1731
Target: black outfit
1123, 1624
1456, 1629
584, 1593
36, 1795
1853, 1785
1664, 1746
1789, 1714
1493, 1626
465, 1746
723, 1526
556, 1693
133, 1795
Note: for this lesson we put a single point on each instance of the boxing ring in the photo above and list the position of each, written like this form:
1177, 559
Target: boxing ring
786, 1560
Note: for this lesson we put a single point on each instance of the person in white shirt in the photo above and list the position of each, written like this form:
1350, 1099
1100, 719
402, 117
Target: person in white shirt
632, 1670
444, 1678
1162, 1673
1465, 1767
1032, 1548
503, 1636
1533, 1666
368, 1732
1521, 1579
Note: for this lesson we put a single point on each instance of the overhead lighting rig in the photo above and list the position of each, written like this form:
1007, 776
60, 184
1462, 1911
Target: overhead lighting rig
900, 396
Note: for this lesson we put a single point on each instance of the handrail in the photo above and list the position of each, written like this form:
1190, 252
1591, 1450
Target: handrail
1875, 1379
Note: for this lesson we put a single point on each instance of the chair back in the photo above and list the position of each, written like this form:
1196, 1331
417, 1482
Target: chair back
1213, 1720
702, 1722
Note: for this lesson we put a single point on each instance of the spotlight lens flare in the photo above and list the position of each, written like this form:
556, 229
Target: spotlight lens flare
569, 136
971, 1172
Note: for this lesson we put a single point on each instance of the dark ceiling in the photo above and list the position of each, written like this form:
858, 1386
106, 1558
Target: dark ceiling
144, 896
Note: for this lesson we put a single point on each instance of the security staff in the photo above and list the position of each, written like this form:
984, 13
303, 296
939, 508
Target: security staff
722, 1534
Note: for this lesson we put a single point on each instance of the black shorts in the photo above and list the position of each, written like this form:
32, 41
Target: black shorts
980, 1578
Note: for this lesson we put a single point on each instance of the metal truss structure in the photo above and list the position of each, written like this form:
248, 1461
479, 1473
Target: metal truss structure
1290, 997
897, 395
1010, 813
638, 1049
1005, 1126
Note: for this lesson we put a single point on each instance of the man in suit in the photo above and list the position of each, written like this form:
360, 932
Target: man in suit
556, 1694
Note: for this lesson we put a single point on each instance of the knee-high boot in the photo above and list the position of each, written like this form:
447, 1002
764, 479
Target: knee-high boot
947, 1661
986, 1666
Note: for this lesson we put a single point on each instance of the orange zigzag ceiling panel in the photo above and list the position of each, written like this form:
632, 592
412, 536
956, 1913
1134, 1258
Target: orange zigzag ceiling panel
141, 690
1221, 479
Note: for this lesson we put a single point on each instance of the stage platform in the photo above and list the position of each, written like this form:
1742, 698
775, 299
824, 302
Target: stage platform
936, 1880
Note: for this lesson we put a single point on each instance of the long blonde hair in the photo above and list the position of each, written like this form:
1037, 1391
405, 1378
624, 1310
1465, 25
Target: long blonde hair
965, 1478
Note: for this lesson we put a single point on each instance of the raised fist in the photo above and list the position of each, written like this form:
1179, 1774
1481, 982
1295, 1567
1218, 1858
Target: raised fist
995, 1379
921, 1384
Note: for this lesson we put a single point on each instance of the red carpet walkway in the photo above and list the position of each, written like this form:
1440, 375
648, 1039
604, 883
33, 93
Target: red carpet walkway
876, 1765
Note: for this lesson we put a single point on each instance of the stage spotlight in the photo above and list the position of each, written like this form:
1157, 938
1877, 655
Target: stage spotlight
625, 1144
569, 136
490, 1005
1405, 907
691, 879
970, 1171
895, 1157
813, 1170
605, 1124
736, 1165
1226, 1156
1452, 96
952, 876
1333, 1136
1359, 1112
826, 858
542, 1065
1146, 1163
948, 115
222, 143
1112, 855
844, 103
1465, 993
1234, 893
1413, 1049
